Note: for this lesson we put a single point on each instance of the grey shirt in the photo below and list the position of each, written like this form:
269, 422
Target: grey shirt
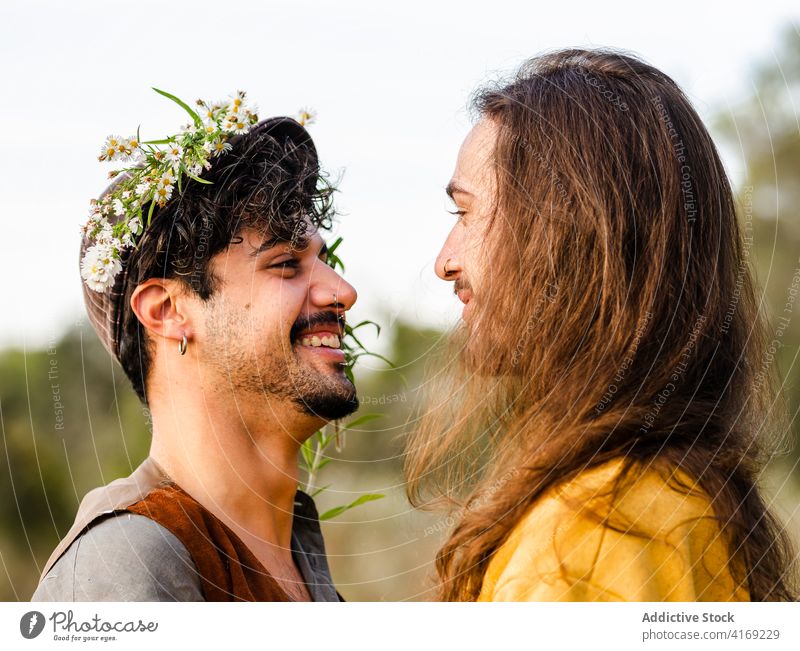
125, 557
114, 555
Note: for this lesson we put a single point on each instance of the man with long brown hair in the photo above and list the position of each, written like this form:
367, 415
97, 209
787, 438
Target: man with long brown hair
608, 410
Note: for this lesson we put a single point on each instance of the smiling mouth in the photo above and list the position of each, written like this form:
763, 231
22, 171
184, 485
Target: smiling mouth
324, 344
322, 331
320, 340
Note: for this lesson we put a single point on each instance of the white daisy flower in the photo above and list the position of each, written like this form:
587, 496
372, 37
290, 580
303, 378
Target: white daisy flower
142, 189
167, 179
207, 114
109, 242
163, 193
110, 149
116, 148
236, 103
306, 116
105, 234
135, 225
119, 207
237, 124
174, 153
220, 147
99, 267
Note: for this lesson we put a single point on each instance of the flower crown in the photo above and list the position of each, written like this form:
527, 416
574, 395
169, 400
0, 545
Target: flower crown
156, 168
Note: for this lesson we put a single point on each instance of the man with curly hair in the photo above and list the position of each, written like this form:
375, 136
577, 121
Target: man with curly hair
228, 322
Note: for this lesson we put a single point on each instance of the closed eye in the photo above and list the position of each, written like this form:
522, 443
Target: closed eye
291, 263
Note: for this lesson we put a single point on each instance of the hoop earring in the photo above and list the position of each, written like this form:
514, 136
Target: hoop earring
182, 345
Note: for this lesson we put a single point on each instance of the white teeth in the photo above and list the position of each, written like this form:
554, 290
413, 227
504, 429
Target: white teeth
316, 341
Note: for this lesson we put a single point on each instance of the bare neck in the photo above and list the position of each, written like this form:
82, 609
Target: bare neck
237, 456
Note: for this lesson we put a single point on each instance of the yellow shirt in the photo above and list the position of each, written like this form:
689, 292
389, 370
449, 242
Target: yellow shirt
558, 552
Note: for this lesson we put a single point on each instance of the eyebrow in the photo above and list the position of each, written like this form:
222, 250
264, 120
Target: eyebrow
267, 244
275, 241
454, 187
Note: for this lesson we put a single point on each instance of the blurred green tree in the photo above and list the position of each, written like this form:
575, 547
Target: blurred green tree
763, 132
69, 422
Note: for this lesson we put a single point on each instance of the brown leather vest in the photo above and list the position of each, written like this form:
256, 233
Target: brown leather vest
228, 570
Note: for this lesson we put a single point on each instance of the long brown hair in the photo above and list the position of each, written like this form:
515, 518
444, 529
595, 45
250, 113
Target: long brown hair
621, 321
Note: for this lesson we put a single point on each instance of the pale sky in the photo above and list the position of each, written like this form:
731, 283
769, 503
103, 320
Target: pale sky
390, 84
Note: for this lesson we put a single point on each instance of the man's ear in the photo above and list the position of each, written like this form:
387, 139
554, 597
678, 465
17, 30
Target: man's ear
161, 305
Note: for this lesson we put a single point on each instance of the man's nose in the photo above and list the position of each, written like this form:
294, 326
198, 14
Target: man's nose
448, 263
331, 290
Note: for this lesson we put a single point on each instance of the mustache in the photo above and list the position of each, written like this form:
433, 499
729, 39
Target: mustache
319, 319
461, 283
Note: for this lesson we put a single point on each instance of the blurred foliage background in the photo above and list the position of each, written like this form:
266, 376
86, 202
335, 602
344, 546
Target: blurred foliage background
70, 422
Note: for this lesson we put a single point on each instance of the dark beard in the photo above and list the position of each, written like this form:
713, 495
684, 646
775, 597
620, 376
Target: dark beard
280, 374
326, 397
326, 401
